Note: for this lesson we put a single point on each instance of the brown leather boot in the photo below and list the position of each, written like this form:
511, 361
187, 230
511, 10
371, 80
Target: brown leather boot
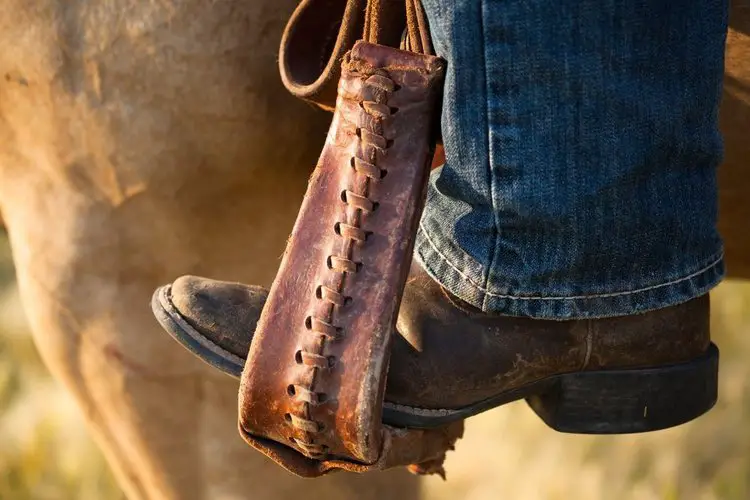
451, 361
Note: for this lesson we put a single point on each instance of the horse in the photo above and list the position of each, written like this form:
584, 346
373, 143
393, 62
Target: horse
146, 140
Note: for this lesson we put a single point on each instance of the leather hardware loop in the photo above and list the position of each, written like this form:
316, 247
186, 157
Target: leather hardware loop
313, 360
304, 424
342, 265
358, 201
372, 139
382, 82
368, 169
332, 296
326, 329
351, 232
305, 395
377, 109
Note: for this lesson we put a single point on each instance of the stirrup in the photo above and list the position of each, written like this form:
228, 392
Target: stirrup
311, 395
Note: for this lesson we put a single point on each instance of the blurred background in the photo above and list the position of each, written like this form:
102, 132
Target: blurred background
46, 452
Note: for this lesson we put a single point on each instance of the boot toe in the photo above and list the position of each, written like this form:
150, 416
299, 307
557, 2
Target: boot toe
213, 319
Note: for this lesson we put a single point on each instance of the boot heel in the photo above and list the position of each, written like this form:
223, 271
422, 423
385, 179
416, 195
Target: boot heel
634, 400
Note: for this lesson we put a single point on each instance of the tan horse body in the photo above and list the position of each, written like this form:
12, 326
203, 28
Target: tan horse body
144, 140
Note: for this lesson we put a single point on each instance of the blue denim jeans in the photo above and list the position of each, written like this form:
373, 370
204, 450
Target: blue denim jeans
581, 144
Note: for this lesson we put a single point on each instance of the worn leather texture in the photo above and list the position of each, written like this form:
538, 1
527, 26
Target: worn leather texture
448, 355
219, 309
315, 376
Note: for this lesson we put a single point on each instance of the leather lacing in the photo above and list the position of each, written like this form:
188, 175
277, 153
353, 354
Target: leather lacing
372, 143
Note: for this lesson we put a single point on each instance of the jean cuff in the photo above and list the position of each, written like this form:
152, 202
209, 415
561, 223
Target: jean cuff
437, 262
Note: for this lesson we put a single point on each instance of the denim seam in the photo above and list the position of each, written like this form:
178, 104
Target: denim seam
715, 260
488, 141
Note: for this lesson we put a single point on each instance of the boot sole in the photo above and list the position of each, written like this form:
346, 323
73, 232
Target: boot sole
629, 401
596, 402
179, 329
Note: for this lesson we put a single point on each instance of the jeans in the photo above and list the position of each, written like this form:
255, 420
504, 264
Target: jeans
581, 143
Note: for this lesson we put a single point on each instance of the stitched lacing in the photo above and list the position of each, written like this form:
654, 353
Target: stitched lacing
372, 143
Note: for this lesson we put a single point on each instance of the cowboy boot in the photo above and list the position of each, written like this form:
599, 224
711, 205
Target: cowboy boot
450, 361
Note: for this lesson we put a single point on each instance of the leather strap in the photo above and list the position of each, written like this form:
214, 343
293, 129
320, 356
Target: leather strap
315, 39
384, 25
418, 39
320, 32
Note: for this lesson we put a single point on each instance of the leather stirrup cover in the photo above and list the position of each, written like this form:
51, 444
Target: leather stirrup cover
312, 390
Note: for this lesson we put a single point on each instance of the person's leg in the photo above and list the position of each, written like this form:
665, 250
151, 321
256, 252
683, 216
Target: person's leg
582, 142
